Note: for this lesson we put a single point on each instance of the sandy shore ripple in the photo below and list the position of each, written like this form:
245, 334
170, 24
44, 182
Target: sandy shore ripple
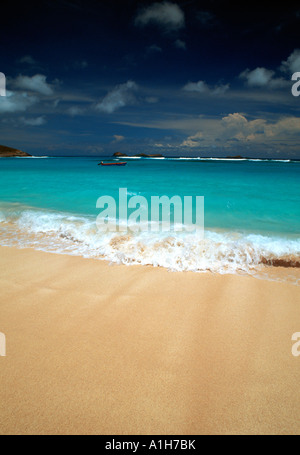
99, 349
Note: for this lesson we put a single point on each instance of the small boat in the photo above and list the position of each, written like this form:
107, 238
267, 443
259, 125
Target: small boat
123, 163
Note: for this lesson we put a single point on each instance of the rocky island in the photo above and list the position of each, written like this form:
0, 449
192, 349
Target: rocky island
144, 155
6, 152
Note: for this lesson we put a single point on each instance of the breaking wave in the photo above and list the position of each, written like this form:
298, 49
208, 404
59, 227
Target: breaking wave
219, 251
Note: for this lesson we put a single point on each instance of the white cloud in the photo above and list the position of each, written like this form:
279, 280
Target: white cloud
35, 83
237, 127
118, 138
180, 44
167, 15
15, 101
199, 86
75, 110
34, 121
151, 99
28, 60
193, 141
258, 77
202, 87
292, 64
206, 18
230, 132
153, 49
262, 77
288, 126
220, 89
235, 130
122, 95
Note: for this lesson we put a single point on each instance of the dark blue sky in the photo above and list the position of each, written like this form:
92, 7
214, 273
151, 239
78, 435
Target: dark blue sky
182, 78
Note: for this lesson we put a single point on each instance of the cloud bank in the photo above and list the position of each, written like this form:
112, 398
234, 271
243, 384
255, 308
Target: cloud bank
236, 129
122, 95
35, 83
202, 87
265, 78
292, 64
16, 102
38, 121
262, 77
166, 15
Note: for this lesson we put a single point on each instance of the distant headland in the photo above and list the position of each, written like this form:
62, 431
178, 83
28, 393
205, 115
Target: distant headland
158, 155
6, 152
143, 155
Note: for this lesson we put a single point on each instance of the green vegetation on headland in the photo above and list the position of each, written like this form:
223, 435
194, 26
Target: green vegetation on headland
6, 152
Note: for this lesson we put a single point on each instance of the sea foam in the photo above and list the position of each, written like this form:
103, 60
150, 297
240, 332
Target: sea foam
219, 252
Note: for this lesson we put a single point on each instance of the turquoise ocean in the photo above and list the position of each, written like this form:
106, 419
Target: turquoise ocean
252, 210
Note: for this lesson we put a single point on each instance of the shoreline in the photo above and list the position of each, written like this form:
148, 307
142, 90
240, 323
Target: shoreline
118, 249
100, 349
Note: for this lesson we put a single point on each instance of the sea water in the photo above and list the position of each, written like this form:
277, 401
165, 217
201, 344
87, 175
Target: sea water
251, 214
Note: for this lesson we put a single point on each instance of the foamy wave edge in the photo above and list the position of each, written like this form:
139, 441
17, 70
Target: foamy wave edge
219, 252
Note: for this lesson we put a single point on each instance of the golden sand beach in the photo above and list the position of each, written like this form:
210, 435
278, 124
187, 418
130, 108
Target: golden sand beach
99, 349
